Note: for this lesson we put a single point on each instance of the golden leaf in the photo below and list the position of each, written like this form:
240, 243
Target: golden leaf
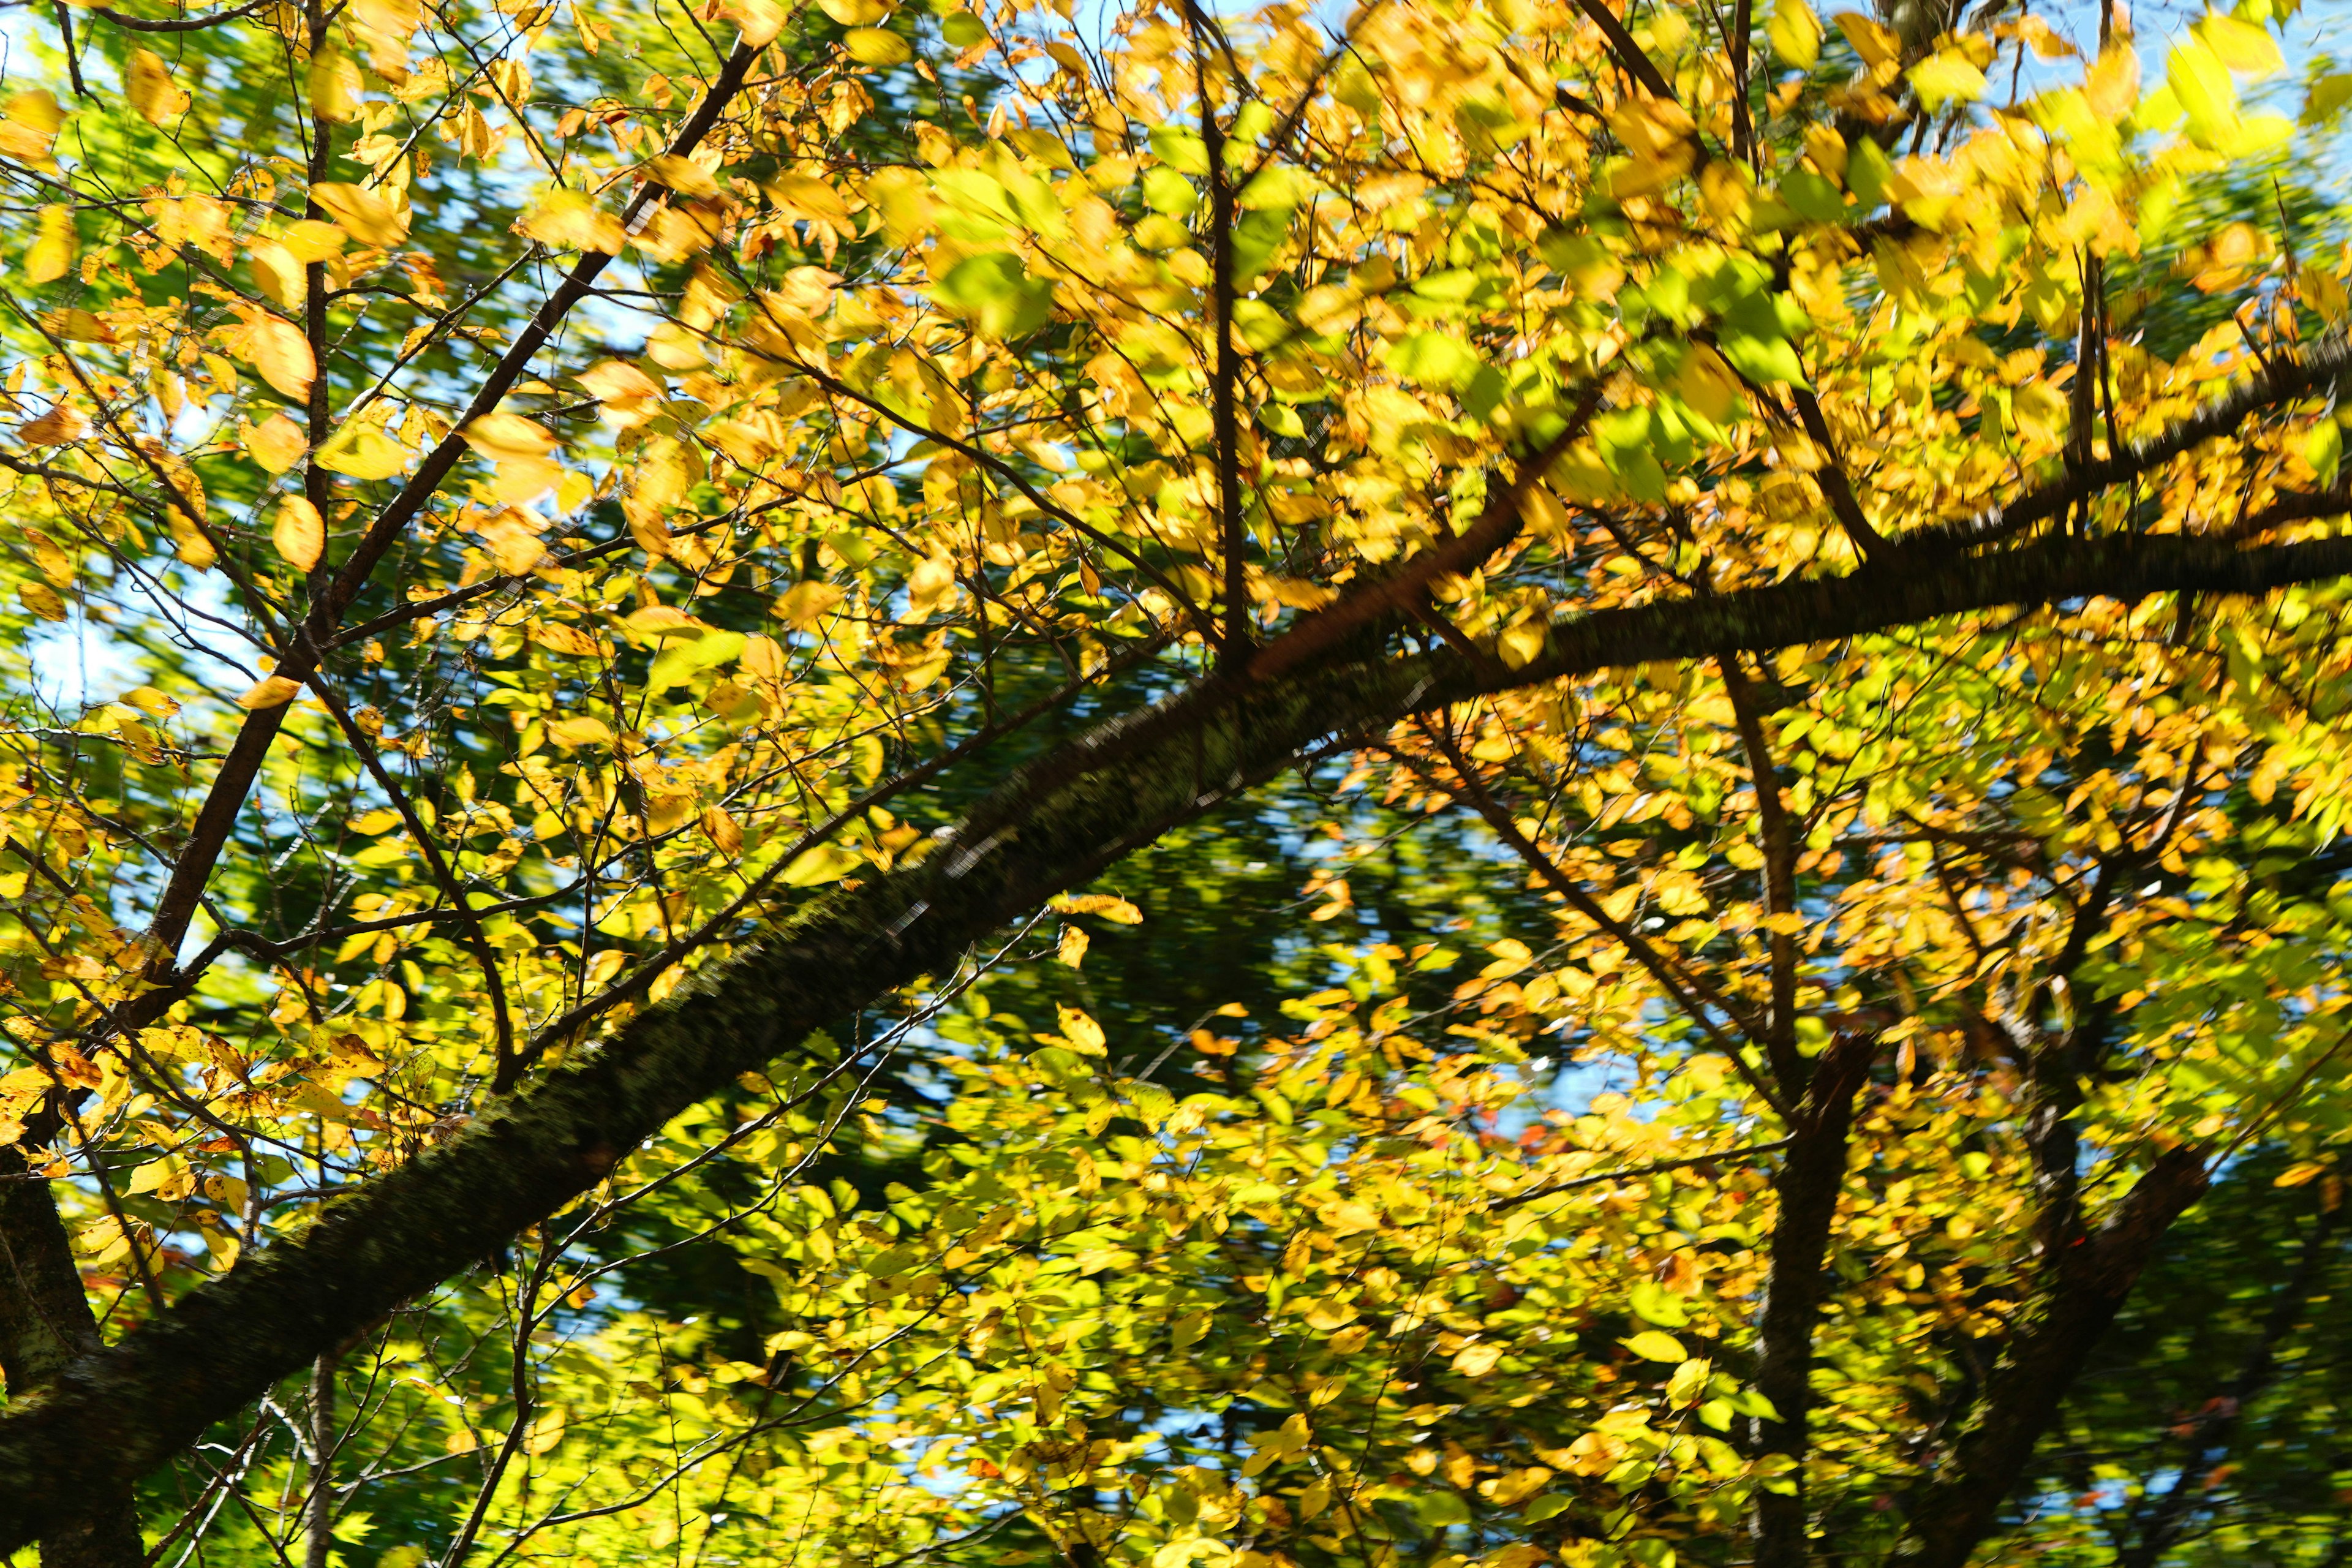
29, 124
152, 92
1073, 948
1117, 910
762, 658
43, 601
279, 351
722, 830
574, 734
368, 216
500, 436
1081, 1033
804, 604
876, 46
298, 532
269, 691
760, 20
617, 381
362, 452
557, 638
311, 240
334, 86
1477, 1359
60, 425
52, 254
684, 176
276, 443
279, 271
570, 220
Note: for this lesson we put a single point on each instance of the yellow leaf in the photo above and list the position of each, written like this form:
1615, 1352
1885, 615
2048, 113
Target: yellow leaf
557, 638
151, 702
29, 126
1117, 910
152, 92
2244, 47
760, 20
43, 601
1084, 1035
279, 271
1796, 33
618, 382
876, 46
820, 864
299, 533
931, 586
2297, 1175
222, 1247
546, 1432
275, 443
362, 452
270, 692
1652, 1345
368, 216
804, 604
311, 240
855, 13
1595, 1453
1476, 1360
568, 220
52, 254
57, 427
279, 351
573, 733
684, 176
764, 656
334, 84
725, 835
1073, 948
499, 435
1946, 76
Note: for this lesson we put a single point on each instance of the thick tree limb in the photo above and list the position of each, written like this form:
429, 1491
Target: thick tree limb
45, 1326
1960, 1505
1806, 1192
122, 1412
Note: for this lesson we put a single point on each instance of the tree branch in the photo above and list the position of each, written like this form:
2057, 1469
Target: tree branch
1959, 1505
118, 1413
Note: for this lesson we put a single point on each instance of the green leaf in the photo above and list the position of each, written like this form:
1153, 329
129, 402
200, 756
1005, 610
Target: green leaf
997, 293
1165, 191
1434, 358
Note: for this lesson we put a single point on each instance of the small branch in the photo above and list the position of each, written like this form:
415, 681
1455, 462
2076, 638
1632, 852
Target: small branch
1780, 1036
181, 23
1832, 478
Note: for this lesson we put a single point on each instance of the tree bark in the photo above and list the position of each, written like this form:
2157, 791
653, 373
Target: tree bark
1812, 1174
112, 1416
45, 1327
1960, 1505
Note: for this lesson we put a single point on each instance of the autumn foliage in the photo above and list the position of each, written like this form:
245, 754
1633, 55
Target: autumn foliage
1495, 782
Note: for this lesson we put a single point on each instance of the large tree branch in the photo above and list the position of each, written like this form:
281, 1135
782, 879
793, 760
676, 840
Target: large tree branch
1806, 1193
1957, 1506
45, 1326
1051, 825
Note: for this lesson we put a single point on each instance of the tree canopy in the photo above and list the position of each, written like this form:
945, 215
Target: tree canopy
1481, 782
